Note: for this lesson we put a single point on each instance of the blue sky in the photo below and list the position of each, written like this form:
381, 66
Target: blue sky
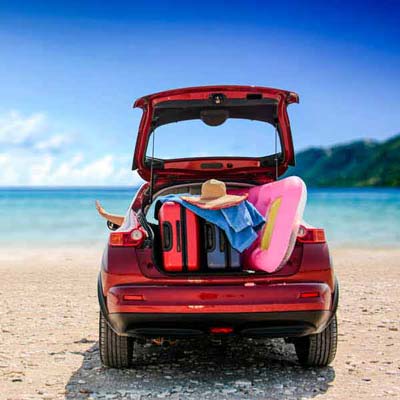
69, 73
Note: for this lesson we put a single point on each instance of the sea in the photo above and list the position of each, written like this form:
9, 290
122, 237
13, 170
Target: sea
53, 217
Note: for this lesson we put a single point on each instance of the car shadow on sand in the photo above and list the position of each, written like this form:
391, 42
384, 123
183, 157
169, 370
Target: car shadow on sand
202, 369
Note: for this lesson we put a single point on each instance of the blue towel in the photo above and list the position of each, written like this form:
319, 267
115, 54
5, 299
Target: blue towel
239, 222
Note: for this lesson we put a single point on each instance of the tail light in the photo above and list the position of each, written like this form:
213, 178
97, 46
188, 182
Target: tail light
133, 238
311, 235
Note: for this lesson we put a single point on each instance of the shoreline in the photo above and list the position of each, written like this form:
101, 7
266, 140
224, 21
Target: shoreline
16, 252
92, 245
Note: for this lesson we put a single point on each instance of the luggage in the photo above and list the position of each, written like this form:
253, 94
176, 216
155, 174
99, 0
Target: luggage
180, 241
189, 243
219, 253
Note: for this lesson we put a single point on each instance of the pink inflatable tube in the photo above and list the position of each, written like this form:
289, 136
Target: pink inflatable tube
282, 203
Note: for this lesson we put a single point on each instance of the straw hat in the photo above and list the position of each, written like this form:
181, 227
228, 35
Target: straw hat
213, 196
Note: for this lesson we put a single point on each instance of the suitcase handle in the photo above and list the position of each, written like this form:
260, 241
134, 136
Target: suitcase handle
209, 231
222, 241
179, 233
167, 236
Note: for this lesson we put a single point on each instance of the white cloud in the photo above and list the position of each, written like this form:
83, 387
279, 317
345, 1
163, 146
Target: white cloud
8, 173
30, 132
16, 129
39, 169
53, 143
76, 171
33, 155
24, 168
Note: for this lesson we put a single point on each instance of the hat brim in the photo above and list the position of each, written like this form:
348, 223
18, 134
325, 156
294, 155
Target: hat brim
226, 201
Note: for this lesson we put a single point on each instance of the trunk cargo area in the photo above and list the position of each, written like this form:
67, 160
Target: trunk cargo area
184, 244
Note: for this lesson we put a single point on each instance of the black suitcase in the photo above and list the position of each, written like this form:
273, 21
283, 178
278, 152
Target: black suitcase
218, 252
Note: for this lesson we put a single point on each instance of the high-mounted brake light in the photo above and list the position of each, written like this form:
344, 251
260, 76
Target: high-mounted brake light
133, 238
311, 235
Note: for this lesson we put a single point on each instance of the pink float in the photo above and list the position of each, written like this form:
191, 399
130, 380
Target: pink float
282, 203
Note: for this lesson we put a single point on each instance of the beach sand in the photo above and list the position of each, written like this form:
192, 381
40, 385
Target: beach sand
48, 339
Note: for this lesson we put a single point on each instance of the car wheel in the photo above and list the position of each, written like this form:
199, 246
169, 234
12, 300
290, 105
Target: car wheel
115, 350
318, 350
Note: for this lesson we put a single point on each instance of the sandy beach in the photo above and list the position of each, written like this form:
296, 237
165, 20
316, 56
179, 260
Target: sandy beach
48, 339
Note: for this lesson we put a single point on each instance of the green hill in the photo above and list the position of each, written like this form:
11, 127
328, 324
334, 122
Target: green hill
360, 163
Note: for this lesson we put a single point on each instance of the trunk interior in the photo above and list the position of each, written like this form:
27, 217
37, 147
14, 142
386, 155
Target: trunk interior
232, 262
224, 259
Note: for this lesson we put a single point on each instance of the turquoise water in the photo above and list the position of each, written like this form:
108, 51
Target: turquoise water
67, 216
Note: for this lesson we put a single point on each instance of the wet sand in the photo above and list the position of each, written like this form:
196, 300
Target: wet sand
48, 339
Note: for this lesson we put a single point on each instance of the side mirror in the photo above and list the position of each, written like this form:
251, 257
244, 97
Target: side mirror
111, 226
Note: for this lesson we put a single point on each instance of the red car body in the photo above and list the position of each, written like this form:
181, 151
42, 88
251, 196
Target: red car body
139, 299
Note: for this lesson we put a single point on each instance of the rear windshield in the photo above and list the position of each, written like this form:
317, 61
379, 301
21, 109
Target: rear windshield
194, 139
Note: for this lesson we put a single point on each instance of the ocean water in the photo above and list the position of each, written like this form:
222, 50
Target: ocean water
67, 216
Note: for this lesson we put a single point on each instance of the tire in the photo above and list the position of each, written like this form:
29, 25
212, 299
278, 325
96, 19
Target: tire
318, 350
115, 351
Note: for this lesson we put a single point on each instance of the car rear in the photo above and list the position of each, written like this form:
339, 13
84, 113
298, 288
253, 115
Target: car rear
133, 284
140, 297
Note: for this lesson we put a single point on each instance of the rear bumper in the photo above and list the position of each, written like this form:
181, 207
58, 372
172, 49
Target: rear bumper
273, 310
275, 324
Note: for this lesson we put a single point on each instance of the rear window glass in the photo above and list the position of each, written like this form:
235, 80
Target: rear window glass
193, 138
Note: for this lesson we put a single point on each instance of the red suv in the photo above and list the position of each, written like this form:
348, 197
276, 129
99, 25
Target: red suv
139, 299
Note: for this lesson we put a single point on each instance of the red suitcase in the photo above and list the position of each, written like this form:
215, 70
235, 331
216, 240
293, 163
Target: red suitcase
179, 229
